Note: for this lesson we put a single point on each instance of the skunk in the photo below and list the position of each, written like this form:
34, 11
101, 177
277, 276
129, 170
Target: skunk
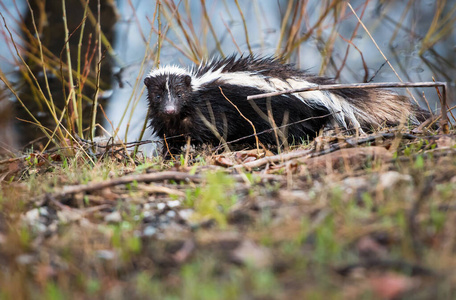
208, 104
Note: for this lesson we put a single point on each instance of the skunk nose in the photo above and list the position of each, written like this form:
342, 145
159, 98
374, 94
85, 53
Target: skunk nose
170, 110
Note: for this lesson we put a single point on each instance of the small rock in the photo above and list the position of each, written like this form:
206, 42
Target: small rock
113, 217
40, 227
161, 206
163, 219
32, 215
85, 223
186, 214
355, 183
106, 254
171, 214
44, 211
34, 218
25, 259
150, 230
391, 178
173, 203
294, 196
267, 203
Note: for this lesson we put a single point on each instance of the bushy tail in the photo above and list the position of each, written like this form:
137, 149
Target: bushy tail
385, 108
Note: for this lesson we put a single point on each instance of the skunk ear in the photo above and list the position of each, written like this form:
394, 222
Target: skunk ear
147, 81
187, 80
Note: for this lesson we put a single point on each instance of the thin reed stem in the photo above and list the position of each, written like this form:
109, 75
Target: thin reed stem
211, 28
98, 71
78, 71
74, 113
246, 32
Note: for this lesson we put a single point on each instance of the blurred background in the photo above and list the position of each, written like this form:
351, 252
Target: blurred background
64, 76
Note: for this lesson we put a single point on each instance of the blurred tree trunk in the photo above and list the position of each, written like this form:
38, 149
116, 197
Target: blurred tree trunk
8, 141
48, 16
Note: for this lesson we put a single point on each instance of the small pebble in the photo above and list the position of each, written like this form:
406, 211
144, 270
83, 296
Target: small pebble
32, 215
149, 231
106, 254
113, 217
24, 259
391, 178
171, 214
173, 203
186, 213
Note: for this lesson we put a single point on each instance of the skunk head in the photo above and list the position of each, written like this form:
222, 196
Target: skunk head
168, 93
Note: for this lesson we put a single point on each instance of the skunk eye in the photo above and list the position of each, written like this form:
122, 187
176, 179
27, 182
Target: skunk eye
179, 95
157, 97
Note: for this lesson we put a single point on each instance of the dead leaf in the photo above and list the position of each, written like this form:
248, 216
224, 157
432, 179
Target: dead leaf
223, 161
251, 155
108, 194
445, 142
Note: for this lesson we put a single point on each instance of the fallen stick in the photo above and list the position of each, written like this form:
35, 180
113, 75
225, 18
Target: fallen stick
352, 142
273, 159
149, 177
